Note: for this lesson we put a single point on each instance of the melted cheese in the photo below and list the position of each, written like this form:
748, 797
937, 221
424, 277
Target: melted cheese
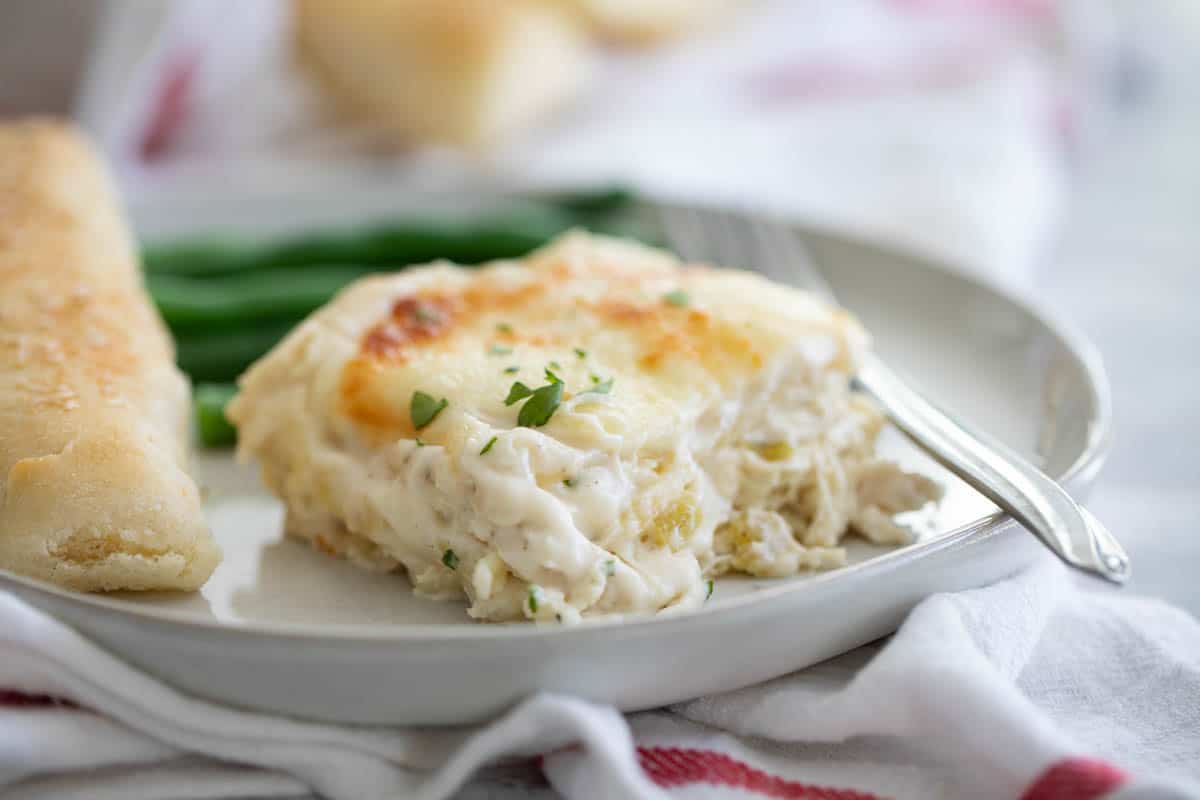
737, 397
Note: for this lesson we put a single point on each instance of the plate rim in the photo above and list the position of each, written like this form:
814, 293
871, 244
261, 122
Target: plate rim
1079, 474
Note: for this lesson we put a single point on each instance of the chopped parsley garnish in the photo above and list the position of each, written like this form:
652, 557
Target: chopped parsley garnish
541, 403
550, 376
710, 588
450, 558
555, 365
424, 408
519, 391
487, 446
569, 483
499, 350
511, 370
533, 598
419, 442
677, 297
598, 386
610, 567
504, 327
580, 352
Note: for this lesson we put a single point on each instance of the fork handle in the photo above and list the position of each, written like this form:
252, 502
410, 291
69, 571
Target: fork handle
1029, 495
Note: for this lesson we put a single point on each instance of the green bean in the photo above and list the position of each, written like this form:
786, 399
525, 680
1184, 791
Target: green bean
397, 246
524, 226
394, 244
189, 303
200, 255
222, 355
212, 426
596, 202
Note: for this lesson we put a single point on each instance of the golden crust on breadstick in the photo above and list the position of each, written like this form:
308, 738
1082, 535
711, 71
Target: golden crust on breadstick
94, 493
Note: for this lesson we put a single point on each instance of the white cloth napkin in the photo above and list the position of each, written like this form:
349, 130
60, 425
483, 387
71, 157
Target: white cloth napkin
1025, 689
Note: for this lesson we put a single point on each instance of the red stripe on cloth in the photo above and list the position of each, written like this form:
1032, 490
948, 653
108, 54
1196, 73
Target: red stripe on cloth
13, 699
1076, 779
824, 80
676, 766
1035, 9
170, 107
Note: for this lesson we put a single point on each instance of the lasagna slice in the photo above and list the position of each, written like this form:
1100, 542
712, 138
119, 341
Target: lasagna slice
597, 429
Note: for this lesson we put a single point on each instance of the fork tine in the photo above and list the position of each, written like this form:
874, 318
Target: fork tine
705, 235
737, 247
786, 257
709, 227
747, 241
685, 231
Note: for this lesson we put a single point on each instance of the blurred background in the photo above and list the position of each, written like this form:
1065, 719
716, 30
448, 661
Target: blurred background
1050, 145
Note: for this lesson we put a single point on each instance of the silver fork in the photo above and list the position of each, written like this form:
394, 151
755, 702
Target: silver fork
999, 473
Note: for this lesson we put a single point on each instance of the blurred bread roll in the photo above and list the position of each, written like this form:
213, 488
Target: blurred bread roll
646, 21
460, 72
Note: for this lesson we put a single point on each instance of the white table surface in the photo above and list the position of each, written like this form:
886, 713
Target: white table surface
1127, 270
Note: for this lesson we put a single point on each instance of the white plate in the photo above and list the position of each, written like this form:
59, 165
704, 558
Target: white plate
283, 628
